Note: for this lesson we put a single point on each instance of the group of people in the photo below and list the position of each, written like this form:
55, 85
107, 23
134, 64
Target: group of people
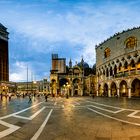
5, 96
31, 97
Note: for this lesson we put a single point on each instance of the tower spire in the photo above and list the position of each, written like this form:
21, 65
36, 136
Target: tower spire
82, 61
70, 63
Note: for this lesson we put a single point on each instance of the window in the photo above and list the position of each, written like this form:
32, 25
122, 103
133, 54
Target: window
125, 65
107, 52
132, 64
76, 71
120, 66
131, 42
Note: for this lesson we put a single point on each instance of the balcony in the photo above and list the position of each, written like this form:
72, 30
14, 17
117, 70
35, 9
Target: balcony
121, 74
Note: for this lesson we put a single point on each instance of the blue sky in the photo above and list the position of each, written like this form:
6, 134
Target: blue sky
70, 28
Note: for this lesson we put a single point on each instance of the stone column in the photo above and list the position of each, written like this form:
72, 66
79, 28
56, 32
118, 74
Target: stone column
72, 92
129, 92
136, 69
129, 70
109, 92
113, 73
97, 93
118, 92
109, 74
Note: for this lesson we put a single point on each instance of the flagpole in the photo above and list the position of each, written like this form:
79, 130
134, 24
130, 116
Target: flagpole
27, 79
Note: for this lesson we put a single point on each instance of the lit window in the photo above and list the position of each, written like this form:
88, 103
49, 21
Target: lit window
107, 52
131, 42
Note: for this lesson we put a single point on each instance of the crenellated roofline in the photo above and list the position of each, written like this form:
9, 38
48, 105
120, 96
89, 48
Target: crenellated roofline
116, 34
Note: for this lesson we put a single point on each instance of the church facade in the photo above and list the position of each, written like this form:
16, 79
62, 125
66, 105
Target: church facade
118, 65
69, 79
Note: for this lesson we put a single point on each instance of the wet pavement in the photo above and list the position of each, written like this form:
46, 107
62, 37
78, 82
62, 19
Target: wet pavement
76, 118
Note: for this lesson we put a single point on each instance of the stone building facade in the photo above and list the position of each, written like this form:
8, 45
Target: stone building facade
118, 65
33, 87
71, 80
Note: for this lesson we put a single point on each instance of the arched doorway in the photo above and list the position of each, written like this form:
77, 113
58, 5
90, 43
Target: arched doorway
113, 89
105, 90
123, 89
63, 87
135, 87
76, 87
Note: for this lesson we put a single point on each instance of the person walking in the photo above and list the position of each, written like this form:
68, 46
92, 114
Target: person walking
46, 97
10, 97
30, 98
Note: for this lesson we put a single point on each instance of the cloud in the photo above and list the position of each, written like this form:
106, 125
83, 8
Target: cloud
19, 71
39, 29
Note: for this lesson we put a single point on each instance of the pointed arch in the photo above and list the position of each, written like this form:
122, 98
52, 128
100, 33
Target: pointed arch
120, 66
126, 65
132, 63
103, 72
111, 72
107, 72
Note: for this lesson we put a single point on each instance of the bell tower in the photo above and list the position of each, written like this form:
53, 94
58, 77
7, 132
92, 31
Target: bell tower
4, 58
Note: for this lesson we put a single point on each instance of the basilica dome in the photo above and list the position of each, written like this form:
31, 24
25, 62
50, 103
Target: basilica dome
85, 65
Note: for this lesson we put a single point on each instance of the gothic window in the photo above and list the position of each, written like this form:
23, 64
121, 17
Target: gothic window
107, 72
132, 64
126, 65
107, 52
120, 66
131, 42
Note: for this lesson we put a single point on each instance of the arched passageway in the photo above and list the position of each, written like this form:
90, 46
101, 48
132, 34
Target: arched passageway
113, 89
135, 87
76, 87
105, 90
63, 87
123, 89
